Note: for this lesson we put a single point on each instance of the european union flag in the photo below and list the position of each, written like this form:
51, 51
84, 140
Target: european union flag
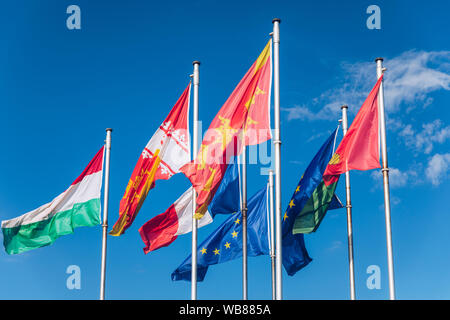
225, 243
226, 200
307, 207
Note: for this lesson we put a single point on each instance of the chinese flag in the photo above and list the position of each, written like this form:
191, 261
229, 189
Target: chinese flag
359, 149
166, 152
244, 114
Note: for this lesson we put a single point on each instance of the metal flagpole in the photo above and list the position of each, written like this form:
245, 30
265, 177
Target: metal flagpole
277, 143
385, 171
196, 82
244, 224
349, 215
105, 213
272, 233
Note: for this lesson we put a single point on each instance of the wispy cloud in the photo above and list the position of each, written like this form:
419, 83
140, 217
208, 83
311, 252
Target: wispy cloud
397, 178
436, 171
424, 140
438, 168
296, 162
410, 78
336, 245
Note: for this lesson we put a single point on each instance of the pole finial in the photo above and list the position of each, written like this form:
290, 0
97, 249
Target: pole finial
196, 62
276, 20
344, 106
109, 129
379, 58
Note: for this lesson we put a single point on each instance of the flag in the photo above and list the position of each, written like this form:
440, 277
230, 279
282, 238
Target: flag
227, 200
245, 113
163, 229
312, 197
166, 152
359, 149
225, 243
78, 206
307, 208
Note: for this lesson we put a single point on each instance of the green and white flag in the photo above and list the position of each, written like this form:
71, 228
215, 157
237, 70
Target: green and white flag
78, 206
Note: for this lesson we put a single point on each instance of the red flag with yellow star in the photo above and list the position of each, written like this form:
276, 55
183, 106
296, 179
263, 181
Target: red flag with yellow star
246, 113
166, 152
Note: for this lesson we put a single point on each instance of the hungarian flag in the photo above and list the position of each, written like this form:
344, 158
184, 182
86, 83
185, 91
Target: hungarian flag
78, 206
359, 149
244, 114
166, 152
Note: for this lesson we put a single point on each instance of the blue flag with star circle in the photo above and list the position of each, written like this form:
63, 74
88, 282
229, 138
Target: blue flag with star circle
225, 243
304, 200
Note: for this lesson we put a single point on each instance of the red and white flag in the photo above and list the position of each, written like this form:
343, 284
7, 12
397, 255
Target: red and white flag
163, 229
166, 152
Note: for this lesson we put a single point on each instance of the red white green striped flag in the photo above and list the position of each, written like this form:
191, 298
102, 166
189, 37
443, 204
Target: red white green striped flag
78, 206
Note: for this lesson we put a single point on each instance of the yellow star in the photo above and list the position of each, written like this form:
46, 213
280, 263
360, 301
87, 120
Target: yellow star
227, 245
237, 221
298, 189
225, 132
203, 251
285, 216
216, 251
291, 204
234, 234
251, 101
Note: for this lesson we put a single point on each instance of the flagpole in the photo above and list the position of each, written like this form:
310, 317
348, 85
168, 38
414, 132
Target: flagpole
349, 215
196, 82
105, 214
272, 233
244, 224
385, 171
277, 143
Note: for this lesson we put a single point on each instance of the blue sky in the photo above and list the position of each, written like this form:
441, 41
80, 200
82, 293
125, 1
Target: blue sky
126, 67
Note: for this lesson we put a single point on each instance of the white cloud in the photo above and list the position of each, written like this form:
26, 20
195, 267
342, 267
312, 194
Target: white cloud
335, 245
397, 178
411, 76
424, 140
438, 168
302, 113
296, 162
